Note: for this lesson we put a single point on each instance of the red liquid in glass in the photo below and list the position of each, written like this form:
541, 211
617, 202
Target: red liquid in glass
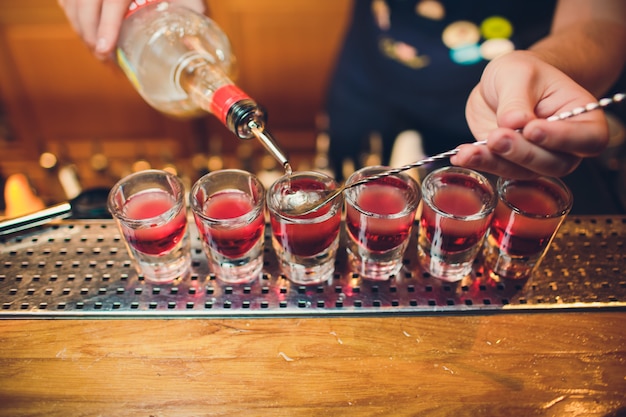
525, 236
311, 238
231, 240
383, 198
449, 234
156, 239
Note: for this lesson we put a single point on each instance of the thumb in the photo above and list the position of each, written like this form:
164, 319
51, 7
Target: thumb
515, 106
111, 18
511, 88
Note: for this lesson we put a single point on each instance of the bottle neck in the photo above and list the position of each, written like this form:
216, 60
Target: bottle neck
213, 91
247, 120
242, 116
207, 85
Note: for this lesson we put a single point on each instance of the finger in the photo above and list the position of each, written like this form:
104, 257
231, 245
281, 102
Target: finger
515, 101
111, 18
88, 16
71, 12
514, 110
513, 147
508, 153
584, 137
479, 113
496, 102
481, 159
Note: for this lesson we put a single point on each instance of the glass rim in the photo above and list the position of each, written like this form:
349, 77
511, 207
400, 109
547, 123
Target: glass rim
337, 202
567, 193
486, 209
160, 219
412, 184
257, 209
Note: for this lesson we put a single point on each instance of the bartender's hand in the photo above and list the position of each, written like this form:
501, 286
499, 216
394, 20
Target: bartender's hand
519, 91
98, 22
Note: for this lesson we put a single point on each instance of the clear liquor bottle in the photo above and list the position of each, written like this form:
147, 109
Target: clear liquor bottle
181, 63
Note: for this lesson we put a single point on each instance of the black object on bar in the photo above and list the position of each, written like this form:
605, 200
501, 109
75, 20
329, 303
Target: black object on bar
90, 204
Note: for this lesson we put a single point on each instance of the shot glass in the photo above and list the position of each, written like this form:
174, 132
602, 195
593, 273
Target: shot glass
305, 245
228, 208
458, 206
379, 218
526, 219
150, 211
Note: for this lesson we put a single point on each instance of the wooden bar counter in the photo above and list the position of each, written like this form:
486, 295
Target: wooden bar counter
530, 364
81, 334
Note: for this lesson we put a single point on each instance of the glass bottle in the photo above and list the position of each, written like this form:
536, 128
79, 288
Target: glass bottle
181, 63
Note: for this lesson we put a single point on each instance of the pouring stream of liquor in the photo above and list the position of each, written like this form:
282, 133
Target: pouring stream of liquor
270, 145
310, 207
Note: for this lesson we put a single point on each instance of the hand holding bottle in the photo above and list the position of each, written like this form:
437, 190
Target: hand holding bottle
98, 22
177, 59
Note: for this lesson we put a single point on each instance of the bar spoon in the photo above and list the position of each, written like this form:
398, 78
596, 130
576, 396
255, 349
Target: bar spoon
309, 206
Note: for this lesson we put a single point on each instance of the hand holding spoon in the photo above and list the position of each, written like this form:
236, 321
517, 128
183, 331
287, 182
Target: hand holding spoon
310, 206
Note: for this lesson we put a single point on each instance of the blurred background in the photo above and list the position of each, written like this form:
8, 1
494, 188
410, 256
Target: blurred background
71, 123
60, 102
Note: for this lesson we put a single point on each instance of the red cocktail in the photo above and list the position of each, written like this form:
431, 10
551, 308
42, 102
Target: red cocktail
528, 214
158, 237
228, 210
150, 210
449, 220
305, 245
458, 206
379, 219
311, 233
236, 239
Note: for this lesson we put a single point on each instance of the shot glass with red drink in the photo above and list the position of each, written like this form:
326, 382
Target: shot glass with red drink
526, 219
379, 219
458, 206
228, 207
150, 210
305, 245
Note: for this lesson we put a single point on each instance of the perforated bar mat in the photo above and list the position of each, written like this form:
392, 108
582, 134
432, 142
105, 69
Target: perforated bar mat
81, 269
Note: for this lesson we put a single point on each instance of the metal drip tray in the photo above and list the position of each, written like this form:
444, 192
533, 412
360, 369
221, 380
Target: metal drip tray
82, 269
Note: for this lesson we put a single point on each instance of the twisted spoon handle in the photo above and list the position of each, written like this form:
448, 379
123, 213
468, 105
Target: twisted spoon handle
603, 102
